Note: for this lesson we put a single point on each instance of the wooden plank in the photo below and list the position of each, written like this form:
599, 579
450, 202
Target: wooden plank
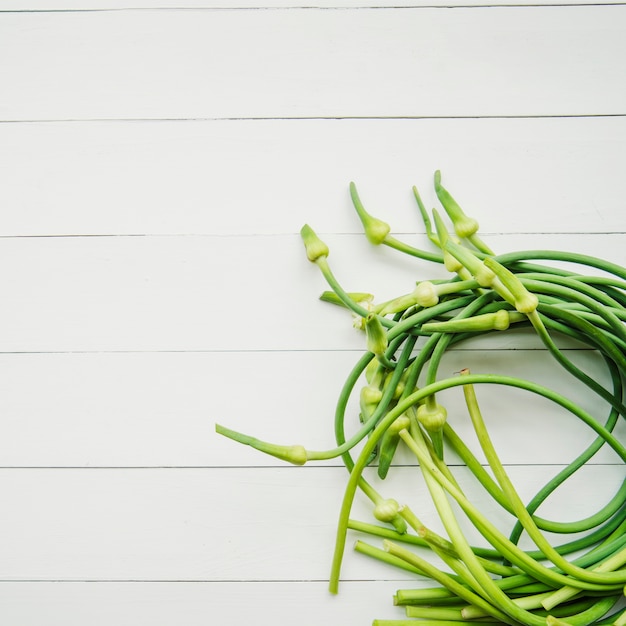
232, 64
207, 293
194, 604
160, 409
118, 353
272, 176
108, 5
233, 524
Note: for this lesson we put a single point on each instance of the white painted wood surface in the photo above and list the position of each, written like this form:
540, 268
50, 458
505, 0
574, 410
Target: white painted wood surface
157, 161
236, 177
320, 63
109, 5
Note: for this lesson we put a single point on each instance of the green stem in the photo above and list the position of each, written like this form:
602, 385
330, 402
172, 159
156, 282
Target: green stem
411, 400
448, 582
385, 557
524, 517
484, 585
562, 256
400, 246
495, 537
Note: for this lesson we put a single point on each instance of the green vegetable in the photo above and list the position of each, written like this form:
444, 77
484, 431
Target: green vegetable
564, 581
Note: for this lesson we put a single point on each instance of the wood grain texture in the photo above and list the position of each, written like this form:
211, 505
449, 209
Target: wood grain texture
313, 63
207, 293
228, 524
109, 5
157, 162
249, 177
160, 409
194, 604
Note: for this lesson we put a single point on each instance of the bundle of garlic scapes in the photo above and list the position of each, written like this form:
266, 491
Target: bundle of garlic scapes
577, 581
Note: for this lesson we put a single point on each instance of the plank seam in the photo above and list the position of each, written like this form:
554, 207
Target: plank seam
364, 7
304, 118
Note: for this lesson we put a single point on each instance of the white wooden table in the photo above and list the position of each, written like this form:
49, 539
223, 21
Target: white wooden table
157, 161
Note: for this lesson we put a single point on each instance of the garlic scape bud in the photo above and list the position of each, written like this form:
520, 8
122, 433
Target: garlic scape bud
371, 395
369, 398
450, 262
464, 226
295, 454
375, 230
523, 300
389, 444
399, 388
317, 253
315, 248
433, 416
489, 273
498, 320
476, 267
426, 294
376, 335
386, 510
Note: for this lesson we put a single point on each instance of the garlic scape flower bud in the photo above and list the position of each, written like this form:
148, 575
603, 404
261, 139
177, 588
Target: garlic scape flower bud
371, 395
426, 294
489, 273
464, 226
315, 248
369, 398
317, 252
399, 388
386, 510
389, 444
451, 263
523, 300
498, 320
376, 335
295, 454
477, 268
375, 230
433, 416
